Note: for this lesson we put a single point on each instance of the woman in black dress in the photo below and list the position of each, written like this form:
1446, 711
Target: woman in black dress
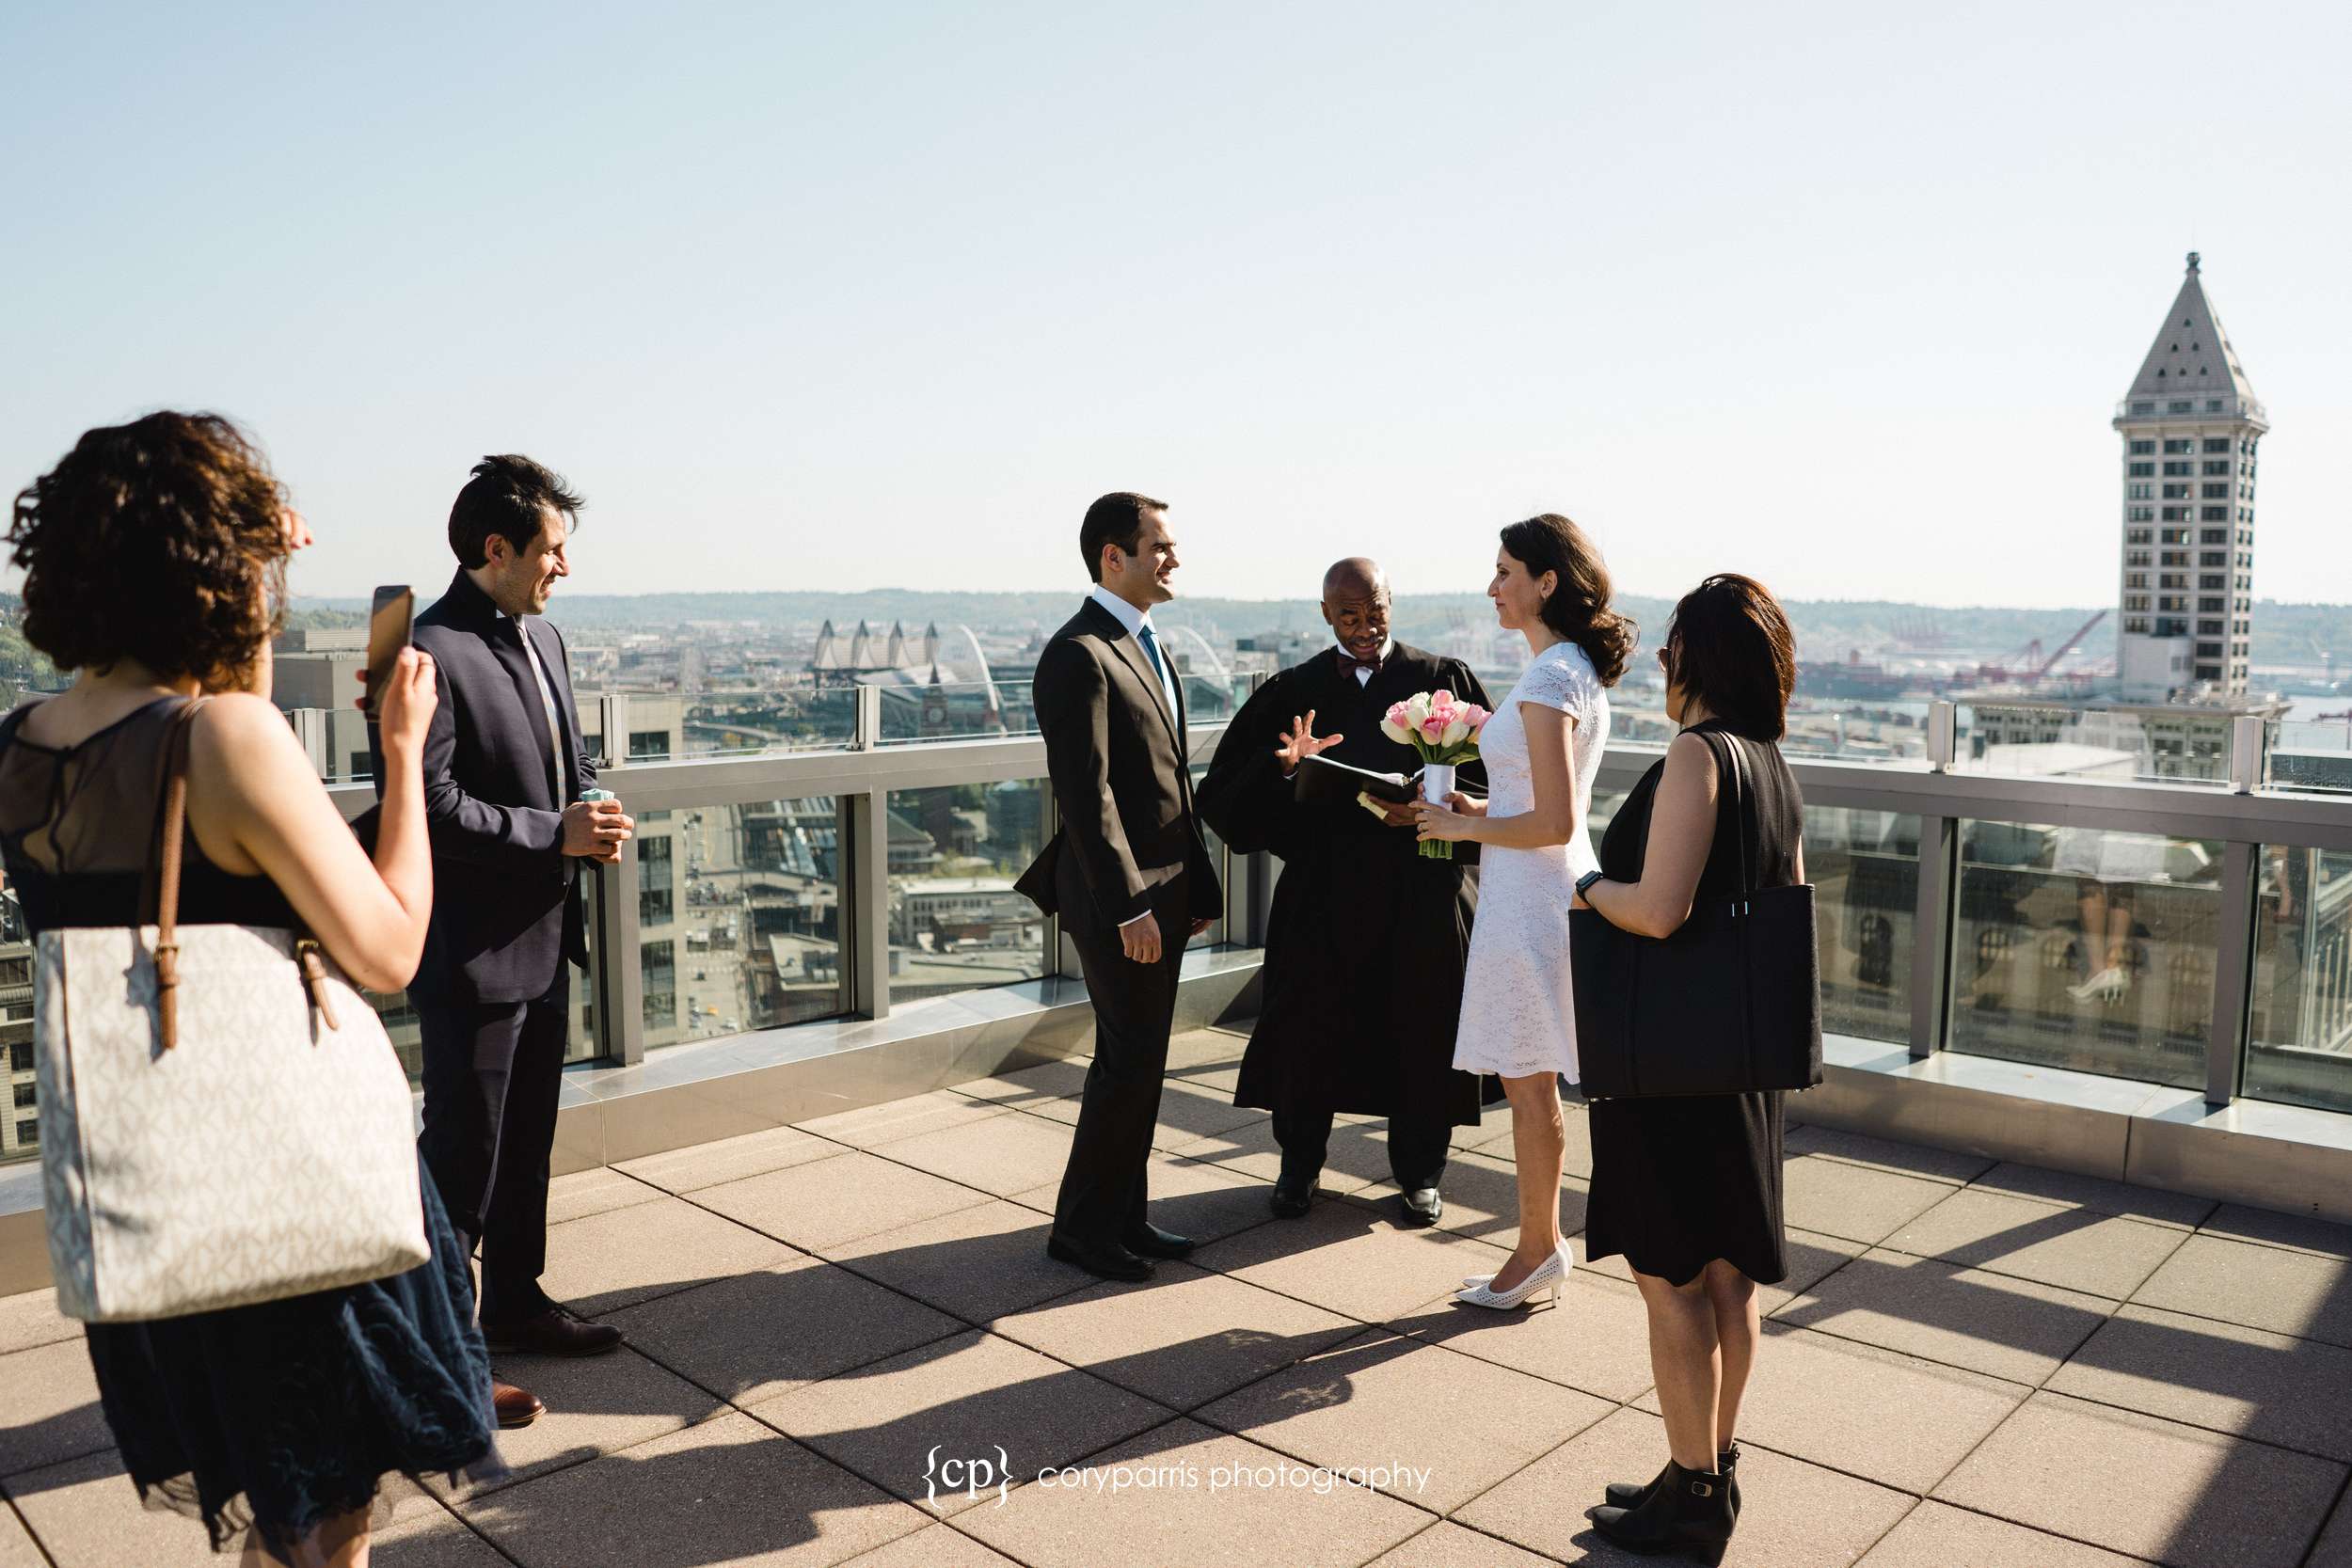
154, 555
1689, 1188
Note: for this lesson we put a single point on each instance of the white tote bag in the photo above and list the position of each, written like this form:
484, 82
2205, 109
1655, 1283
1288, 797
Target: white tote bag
224, 1120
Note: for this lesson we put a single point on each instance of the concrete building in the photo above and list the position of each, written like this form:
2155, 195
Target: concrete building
2191, 424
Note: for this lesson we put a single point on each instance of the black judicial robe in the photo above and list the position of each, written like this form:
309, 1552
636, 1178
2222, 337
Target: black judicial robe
1367, 938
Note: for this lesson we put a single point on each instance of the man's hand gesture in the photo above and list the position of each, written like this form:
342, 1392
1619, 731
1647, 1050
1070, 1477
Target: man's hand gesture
1299, 743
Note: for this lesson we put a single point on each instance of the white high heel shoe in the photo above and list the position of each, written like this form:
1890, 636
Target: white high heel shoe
1544, 1276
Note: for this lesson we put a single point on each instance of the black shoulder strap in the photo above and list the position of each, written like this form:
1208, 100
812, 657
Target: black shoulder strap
1731, 766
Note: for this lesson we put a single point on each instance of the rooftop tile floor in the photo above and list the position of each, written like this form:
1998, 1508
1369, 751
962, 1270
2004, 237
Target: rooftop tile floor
1972, 1365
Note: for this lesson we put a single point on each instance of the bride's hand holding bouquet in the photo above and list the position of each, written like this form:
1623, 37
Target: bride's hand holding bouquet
1445, 732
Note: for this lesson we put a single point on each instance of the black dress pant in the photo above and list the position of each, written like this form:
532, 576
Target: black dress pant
1418, 1144
492, 1074
1103, 1194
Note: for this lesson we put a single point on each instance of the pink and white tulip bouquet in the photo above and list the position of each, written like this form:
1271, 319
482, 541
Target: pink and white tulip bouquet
1445, 732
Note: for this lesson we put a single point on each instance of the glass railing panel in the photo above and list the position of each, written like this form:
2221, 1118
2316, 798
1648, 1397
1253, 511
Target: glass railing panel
2116, 744
916, 710
2300, 1024
2311, 747
1863, 866
956, 922
739, 919
2087, 948
669, 727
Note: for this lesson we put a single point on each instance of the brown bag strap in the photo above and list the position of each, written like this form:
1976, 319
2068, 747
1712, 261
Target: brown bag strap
174, 827
309, 960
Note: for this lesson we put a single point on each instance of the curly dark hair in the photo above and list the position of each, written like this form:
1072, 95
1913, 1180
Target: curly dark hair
1578, 609
162, 541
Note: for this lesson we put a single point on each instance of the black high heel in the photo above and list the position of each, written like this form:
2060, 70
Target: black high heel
1688, 1512
1633, 1494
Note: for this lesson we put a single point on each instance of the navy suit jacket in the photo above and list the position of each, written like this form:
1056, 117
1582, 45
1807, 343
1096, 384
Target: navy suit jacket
506, 910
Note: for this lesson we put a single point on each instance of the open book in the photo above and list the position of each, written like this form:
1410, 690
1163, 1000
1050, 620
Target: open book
1324, 779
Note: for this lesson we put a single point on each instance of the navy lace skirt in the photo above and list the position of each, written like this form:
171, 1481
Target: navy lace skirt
283, 1414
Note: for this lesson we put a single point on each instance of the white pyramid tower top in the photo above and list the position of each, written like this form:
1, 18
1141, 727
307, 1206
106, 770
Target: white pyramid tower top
2191, 357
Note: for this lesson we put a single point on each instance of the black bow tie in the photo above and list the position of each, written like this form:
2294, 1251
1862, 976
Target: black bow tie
1349, 663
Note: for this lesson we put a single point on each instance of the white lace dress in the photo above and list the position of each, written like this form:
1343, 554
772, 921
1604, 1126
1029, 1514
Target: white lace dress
1517, 1018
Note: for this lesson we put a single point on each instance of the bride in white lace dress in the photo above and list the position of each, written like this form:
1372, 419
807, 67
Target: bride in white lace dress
1542, 749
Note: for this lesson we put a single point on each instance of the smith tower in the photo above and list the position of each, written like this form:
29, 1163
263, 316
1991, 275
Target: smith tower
2189, 425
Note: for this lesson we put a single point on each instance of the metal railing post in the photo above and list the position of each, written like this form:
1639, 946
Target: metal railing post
1932, 922
613, 716
867, 868
309, 728
2249, 734
2232, 972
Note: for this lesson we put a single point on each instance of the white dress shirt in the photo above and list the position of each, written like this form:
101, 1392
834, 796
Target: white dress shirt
1135, 621
547, 701
1363, 676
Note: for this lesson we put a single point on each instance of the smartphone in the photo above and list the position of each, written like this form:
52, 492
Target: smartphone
390, 626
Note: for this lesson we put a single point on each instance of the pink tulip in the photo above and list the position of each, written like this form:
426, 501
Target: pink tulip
1399, 716
1433, 728
1441, 701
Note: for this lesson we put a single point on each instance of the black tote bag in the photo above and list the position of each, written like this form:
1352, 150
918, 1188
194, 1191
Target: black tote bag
1730, 1004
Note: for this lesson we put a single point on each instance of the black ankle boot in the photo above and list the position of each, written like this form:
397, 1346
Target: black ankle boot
1688, 1512
1633, 1494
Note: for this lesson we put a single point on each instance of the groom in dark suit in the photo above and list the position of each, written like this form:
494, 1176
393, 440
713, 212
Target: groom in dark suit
503, 771
1128, 872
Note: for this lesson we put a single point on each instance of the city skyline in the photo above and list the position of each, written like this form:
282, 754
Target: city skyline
827, 301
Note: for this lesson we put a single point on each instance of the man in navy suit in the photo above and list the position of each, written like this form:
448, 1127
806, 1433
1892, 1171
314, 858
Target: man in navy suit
503, 772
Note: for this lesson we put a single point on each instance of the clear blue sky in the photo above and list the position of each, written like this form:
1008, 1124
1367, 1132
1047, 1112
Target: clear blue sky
843, 296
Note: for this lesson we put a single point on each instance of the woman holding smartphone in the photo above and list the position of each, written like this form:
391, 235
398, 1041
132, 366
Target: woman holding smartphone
154, 555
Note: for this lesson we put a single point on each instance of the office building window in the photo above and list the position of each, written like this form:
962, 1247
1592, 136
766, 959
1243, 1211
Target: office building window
2134, 579
20, 1056
2216, 443
2140, 471
2142, 448
649, 745
28, 1134
2219, 466
2141, 514
24, 1097
2136, 492
2217, 492
2179, 444
2138, 536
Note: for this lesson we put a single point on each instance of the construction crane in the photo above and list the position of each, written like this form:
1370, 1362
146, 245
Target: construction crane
2027, 667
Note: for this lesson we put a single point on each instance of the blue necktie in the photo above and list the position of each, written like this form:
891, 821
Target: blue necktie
1151, 646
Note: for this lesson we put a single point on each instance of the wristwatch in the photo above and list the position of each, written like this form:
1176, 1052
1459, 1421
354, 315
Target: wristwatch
1584, 883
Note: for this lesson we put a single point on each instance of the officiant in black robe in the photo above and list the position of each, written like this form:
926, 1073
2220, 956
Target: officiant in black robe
1366, 940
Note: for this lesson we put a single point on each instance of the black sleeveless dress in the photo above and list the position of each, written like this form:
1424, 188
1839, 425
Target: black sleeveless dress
287, 1413
1681, 1181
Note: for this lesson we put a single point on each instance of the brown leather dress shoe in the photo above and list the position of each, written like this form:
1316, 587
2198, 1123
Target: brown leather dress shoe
553, 1332
514, 1408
